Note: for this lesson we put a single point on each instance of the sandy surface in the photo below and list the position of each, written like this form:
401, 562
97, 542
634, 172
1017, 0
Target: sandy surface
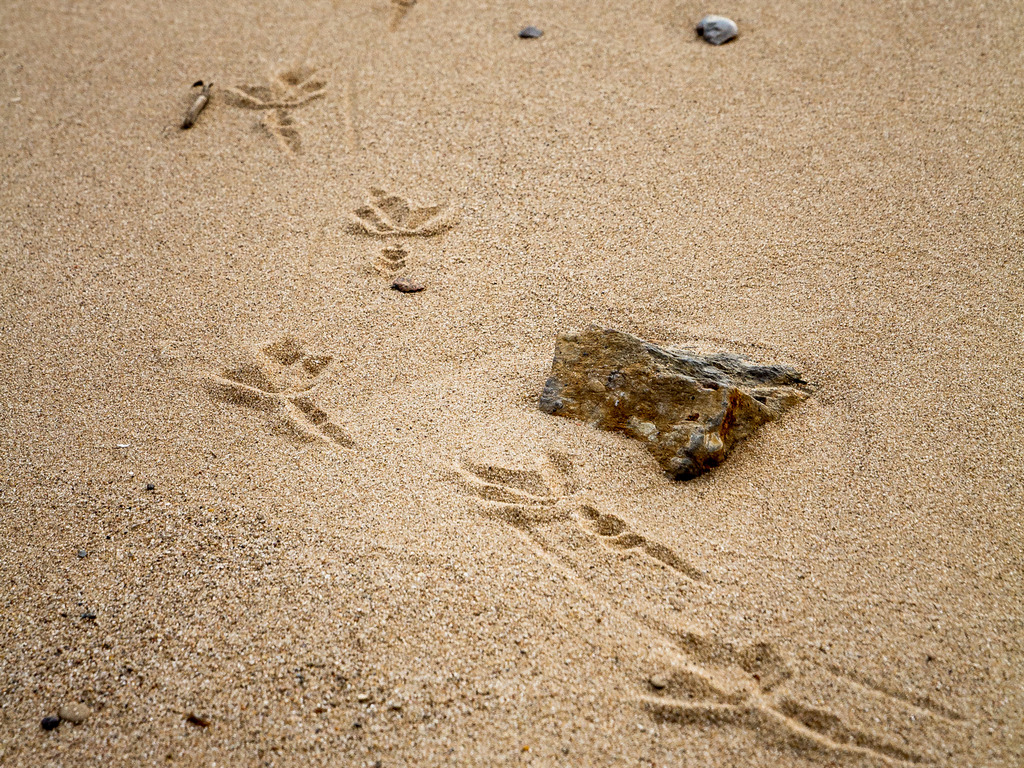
839, 189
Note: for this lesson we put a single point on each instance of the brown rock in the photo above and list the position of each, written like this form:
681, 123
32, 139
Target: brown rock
407, 285
688, 409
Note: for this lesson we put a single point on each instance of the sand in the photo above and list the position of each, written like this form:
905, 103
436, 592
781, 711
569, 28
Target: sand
318, 574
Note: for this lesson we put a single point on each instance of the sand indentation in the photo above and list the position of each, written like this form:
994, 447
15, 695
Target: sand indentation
401, 9
389, 215
393, 217
280, 379
708, 680
392, 260
286, 90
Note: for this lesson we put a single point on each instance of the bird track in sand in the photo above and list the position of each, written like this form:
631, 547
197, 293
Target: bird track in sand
707, 680
280, 379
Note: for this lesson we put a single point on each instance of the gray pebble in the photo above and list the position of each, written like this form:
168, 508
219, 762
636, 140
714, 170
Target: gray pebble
528, 33
74, 713
717, 29
82, 553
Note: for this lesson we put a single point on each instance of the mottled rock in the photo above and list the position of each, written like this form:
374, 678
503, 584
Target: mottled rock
689, 410
717, 29
74, 713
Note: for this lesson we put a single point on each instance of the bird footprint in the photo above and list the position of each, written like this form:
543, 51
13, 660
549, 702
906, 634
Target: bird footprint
280, 379
285, 91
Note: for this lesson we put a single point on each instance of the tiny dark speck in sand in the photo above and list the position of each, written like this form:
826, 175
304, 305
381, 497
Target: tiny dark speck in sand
50, 722
197, 720
529, 33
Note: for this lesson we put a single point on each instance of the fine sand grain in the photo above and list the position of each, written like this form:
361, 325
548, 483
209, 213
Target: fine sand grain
258, 508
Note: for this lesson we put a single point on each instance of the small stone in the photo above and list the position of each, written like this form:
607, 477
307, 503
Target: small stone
50, 722
407, 285
89, 615
82, 553
529, 33
197, 720
394, 705
717, 29
74, 713
658, 682
150, 487
362, 698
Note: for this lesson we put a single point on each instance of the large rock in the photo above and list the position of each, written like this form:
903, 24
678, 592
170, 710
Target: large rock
688, 409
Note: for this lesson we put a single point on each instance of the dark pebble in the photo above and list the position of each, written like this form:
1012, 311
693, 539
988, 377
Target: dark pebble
50, 722
405, 285
528, 33
197, 720
150, 487
89, 615
82, 553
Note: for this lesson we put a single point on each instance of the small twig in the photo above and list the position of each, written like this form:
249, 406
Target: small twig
197, 106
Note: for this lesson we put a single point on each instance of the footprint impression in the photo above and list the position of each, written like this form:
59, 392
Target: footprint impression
280, 379
401, 10
706, 680
286, 91
391, 218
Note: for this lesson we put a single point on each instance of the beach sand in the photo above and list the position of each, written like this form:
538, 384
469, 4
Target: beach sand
323, 572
